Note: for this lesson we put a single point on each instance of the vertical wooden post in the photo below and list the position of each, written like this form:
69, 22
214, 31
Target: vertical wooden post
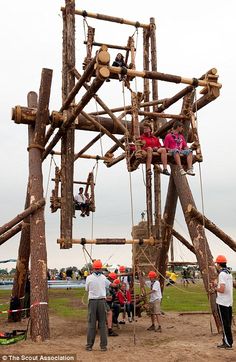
157, 176
38, 276
168, 222
67, 141
22, 264
146, 60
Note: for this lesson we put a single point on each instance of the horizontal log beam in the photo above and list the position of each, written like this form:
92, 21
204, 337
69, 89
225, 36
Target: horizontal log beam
113, 19
208, 224
108, 241
164, 77
94, 157
111, 46
162, 115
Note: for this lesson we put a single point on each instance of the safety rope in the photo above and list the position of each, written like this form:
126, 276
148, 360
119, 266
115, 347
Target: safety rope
49, 175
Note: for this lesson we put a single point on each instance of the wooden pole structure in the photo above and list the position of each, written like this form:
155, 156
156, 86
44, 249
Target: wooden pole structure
110, 46
146, 88
102, 74
67, 141
84, 149
39, 287
193, 214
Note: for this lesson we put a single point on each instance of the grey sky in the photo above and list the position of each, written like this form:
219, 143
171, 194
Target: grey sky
192, 37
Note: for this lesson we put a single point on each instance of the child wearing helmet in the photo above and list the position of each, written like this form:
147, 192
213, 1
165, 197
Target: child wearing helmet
154, 302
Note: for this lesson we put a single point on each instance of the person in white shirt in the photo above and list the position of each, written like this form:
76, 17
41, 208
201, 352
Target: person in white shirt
155, 302
82, 202
224, 300
96, 285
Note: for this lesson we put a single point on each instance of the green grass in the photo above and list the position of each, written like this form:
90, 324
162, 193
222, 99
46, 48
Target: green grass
73, 303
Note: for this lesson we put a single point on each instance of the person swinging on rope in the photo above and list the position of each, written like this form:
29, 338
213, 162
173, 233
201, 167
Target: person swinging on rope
150, 144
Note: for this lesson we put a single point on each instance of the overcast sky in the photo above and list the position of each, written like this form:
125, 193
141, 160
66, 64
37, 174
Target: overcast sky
192, 37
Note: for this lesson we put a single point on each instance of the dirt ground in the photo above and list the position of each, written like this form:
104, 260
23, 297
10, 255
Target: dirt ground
184, 338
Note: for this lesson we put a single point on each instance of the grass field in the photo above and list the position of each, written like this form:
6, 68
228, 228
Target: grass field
73, 303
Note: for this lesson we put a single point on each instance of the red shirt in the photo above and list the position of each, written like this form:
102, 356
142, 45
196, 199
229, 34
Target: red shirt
150, 141
124, 297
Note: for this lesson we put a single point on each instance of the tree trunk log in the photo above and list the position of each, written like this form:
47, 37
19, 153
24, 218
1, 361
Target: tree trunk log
38, 276
193, 213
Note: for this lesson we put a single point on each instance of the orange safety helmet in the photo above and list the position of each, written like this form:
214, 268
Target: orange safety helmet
116, 281
112, 276
97, 264
152, 274
122, 268
221, 259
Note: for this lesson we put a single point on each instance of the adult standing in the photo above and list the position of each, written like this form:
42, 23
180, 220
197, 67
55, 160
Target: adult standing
224, 300
96, 285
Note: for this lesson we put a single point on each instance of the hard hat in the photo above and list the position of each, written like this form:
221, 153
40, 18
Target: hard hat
116, 281
97, 264
221, 259
122, 268
152, 274
112, 276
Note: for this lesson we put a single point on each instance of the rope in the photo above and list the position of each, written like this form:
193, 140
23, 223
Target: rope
49, 174
203, 218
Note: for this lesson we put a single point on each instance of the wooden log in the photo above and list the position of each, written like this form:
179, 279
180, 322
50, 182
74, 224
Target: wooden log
30, 210
112, 19
149, 204
109, 241
39, 287
206, 99
183, 241
193, 214
111, 46
168, 222
161, 115
164, 77
22, 265
13, 231
197, 234
146, 87
69, 90
114, 161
